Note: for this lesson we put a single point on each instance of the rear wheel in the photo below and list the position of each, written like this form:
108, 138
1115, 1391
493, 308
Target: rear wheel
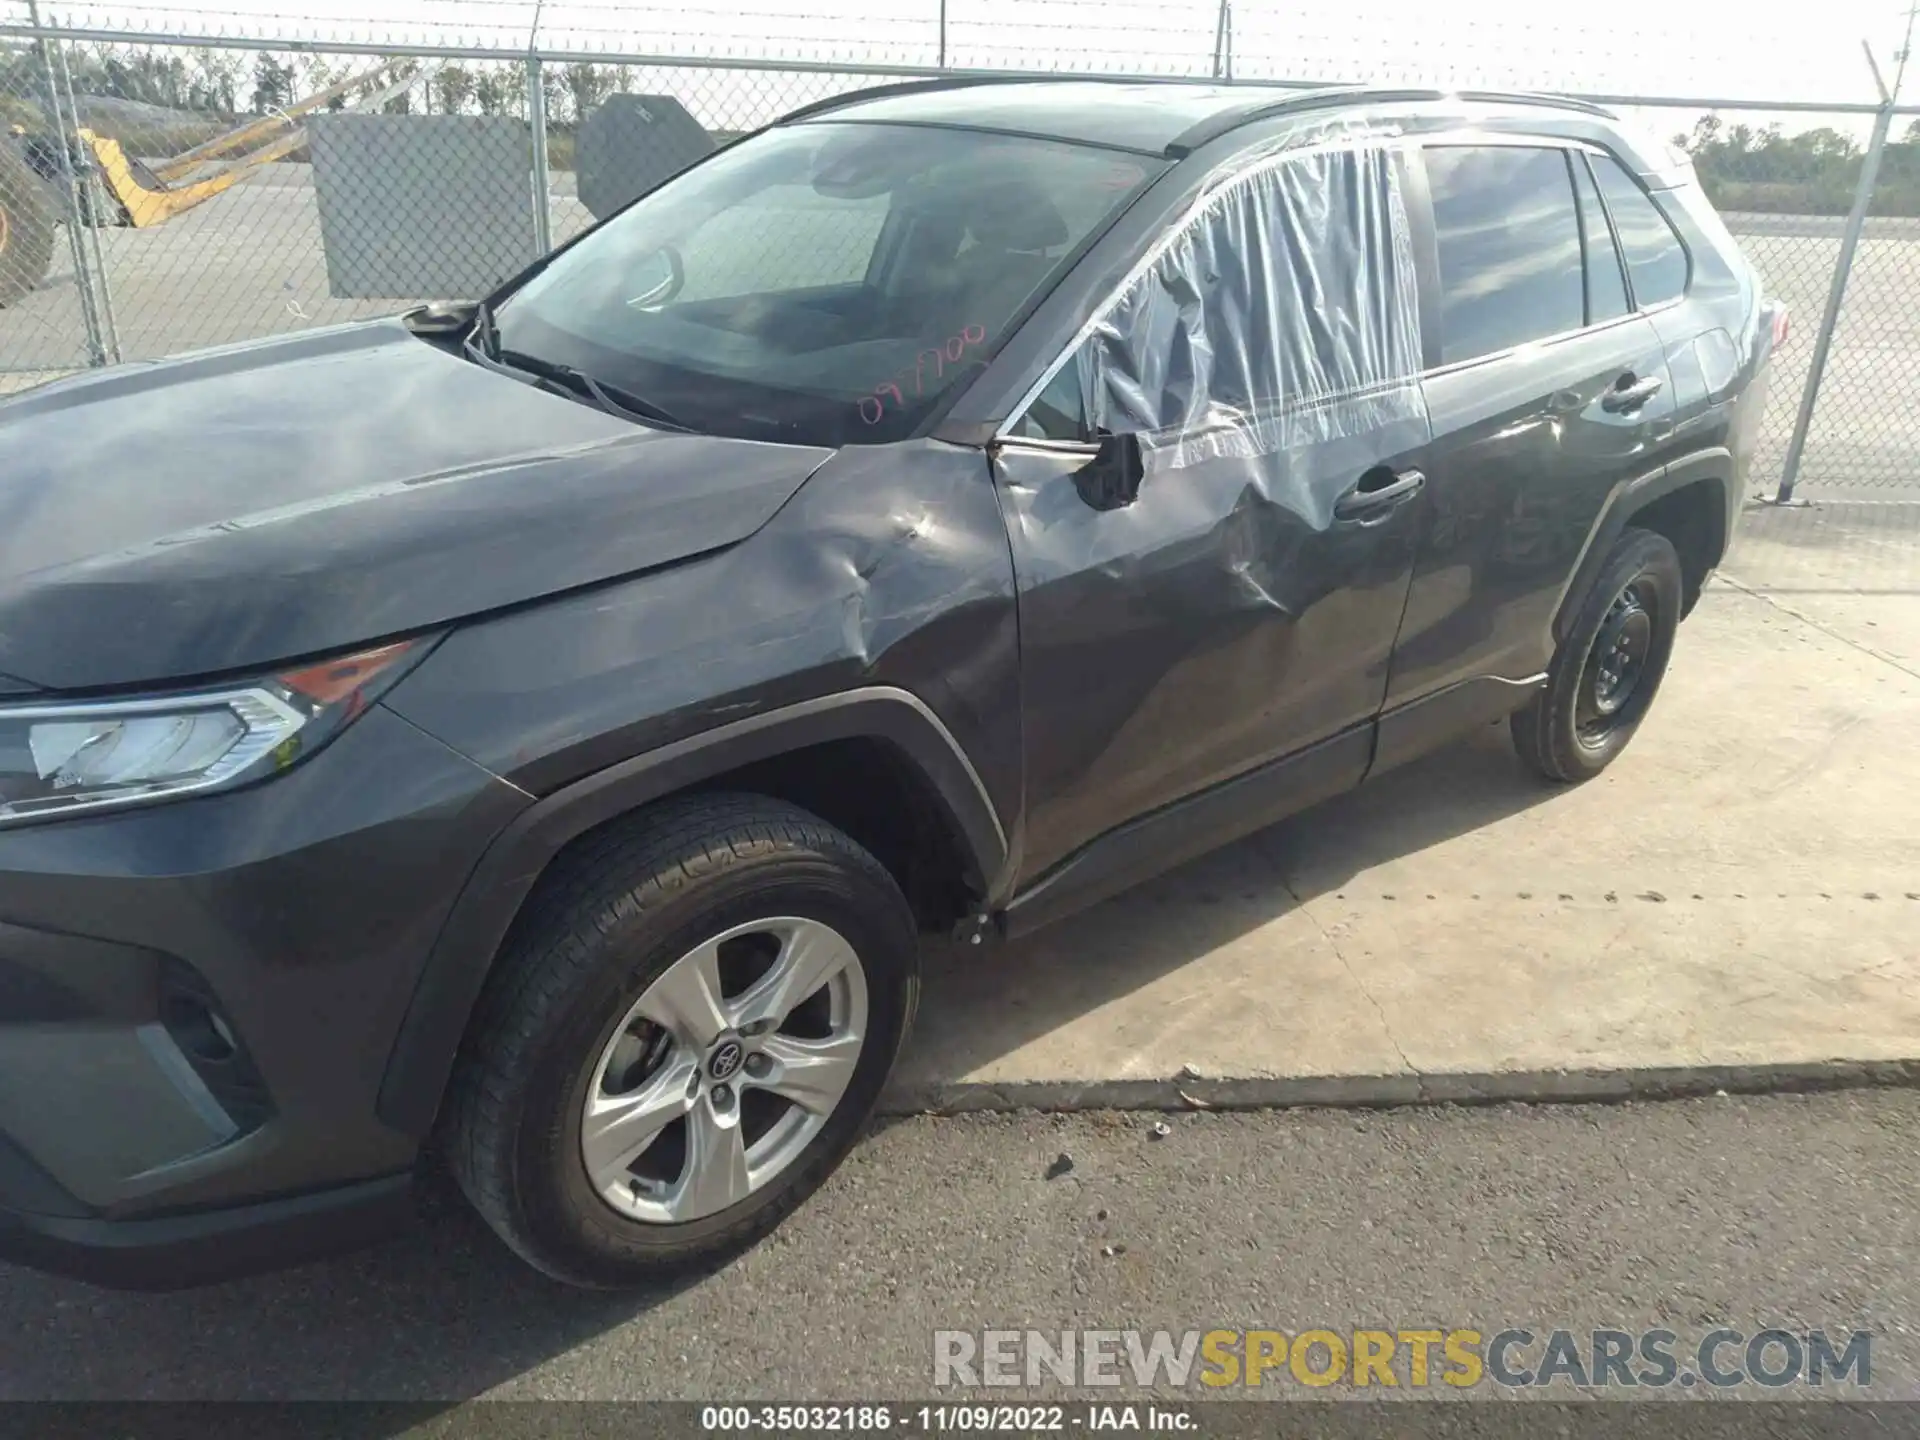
682, 1039
26, 226
1610, 664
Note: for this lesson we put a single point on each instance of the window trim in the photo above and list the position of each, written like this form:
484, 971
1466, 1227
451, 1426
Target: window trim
1047, 442
1580, 163
1079, 449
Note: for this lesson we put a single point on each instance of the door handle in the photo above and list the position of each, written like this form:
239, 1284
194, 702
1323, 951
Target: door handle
1629, 394
1377, 491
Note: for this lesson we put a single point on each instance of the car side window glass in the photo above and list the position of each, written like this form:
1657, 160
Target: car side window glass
1282, 312
1655, 257
1059, 411
1606, 282
1509, 241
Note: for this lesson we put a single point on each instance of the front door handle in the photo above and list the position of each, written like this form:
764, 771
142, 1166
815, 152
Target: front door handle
1376, 492
1628, 395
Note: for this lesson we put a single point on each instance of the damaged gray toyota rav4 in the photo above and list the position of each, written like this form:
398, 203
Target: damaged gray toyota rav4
536, 734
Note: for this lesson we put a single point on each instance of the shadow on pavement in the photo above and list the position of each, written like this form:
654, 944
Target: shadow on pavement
980, 1005
443, 1312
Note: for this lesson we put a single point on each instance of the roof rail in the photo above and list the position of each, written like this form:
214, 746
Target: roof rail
1213, 127
1537, 97
952, 82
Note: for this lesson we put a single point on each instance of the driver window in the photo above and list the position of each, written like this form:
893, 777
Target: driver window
1059, 411
1284, 314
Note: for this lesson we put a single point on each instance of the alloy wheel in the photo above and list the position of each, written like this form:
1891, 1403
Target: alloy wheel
724, 1070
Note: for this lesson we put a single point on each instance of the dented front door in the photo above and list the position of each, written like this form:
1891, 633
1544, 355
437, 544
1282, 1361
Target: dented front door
1243, 603
1227, 617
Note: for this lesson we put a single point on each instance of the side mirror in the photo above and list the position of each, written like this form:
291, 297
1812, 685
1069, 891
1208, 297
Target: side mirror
1111, 479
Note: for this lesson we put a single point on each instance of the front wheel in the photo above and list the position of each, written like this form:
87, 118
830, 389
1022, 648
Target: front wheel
682, 1039
1609, 666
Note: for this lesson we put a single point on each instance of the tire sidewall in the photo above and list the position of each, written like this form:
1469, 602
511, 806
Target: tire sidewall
550, 1180
1637, 554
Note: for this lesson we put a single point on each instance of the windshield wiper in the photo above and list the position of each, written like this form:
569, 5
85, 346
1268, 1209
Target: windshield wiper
610, 399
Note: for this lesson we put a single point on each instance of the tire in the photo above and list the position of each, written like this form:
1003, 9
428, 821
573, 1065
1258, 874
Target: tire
26, 226
1565, 732
596, 941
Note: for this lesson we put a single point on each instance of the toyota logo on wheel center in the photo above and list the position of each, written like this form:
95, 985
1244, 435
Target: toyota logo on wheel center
725, 1060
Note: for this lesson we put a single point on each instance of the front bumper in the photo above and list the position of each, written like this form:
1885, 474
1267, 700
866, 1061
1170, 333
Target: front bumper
198, 1000
204, 1246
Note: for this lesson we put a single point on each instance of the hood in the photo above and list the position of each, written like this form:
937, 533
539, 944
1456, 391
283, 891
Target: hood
271, 501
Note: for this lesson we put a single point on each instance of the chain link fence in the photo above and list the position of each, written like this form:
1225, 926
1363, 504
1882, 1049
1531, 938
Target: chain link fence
165, 193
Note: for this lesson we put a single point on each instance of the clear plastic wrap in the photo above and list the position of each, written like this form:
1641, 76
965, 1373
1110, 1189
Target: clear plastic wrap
1280, 312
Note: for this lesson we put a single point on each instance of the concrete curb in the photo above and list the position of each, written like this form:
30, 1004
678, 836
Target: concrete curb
1199, 1092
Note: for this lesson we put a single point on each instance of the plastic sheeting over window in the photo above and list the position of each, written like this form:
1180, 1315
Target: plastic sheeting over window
1281, 312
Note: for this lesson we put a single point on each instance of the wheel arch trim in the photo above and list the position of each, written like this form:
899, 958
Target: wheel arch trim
422, 1056
1712, 466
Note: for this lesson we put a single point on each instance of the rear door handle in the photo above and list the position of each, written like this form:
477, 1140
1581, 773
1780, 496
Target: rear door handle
1376, 492
1630, 394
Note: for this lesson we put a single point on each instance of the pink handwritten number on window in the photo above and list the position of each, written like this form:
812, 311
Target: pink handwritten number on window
873, 408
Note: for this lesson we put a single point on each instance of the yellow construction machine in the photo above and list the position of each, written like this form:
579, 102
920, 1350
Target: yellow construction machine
143, 193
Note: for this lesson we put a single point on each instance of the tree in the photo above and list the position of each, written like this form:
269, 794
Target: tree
215, 81
402, 104
272, 85
159, 78
455, 86
490, 93
587, 85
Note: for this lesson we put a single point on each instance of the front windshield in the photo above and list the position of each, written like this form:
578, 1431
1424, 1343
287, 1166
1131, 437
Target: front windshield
822, 284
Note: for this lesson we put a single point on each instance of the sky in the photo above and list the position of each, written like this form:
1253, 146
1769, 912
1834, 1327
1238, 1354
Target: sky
1733, 49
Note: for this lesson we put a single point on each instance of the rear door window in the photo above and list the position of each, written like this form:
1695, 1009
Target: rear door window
1655, 257
1509, 241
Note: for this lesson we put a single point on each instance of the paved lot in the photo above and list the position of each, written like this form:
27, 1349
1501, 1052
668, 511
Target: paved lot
249, 263
1800, 1211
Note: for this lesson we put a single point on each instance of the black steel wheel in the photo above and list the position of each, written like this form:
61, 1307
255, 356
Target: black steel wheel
1609, 665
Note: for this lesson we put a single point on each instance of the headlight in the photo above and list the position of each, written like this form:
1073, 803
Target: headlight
89, 754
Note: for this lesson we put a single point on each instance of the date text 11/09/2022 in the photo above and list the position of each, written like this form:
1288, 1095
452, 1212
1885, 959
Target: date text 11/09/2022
941, 1419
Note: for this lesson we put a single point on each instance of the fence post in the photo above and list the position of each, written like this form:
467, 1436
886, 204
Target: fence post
1223, 42
1842, 269
69, 191
943, 34
95, 192
537, 119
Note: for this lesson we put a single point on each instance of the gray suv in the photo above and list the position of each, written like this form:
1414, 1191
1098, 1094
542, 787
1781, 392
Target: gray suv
539, 733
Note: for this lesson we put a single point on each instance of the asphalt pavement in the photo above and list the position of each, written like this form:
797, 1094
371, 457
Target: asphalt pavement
1795, 1211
